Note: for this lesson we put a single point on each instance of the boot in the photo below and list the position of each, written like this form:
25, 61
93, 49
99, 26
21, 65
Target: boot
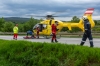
56, 40
37, 37
82, 43
52, 40
13, 37
91, 44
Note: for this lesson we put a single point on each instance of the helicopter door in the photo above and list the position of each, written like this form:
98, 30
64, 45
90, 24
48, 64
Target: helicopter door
42, 26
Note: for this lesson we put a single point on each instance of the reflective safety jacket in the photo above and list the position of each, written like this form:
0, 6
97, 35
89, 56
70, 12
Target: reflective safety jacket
15, 29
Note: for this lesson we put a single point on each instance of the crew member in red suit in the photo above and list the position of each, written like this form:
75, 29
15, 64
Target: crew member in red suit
37, 32
54, 28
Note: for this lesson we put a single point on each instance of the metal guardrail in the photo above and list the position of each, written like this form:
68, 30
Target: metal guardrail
11, 33
60, 33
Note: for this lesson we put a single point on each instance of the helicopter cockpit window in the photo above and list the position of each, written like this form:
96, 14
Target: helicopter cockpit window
37, 25
41, 26
44, 26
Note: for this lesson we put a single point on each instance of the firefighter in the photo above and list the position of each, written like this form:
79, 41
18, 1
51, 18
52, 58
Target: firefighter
15, 31
87, 32
37, 32
54, 28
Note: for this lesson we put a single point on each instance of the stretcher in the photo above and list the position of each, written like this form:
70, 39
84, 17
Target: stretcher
28, 37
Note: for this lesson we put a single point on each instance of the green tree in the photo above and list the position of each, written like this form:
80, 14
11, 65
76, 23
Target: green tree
26, 27
8, 27
2, 21
21, 27
41, 19
95, 22
29, 25
75, 19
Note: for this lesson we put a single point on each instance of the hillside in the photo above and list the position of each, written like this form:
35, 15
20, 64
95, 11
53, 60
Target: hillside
21, 20
16, 19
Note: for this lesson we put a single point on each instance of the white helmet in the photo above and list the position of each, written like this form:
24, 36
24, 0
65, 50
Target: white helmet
84, 17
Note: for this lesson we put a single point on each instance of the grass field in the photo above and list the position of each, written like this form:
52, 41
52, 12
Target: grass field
25, 53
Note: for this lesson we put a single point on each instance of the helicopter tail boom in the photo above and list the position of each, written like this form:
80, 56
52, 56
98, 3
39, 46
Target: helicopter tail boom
87, 13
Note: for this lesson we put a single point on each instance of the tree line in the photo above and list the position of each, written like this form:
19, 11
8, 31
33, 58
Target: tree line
7, 26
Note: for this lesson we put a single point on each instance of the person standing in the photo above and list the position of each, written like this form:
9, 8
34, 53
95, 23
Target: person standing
87, 32
15, 31
37, 32
54, 28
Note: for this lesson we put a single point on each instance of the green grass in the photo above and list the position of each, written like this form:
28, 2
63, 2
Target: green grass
24, 53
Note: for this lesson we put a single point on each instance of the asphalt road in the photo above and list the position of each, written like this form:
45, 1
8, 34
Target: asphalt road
62, 40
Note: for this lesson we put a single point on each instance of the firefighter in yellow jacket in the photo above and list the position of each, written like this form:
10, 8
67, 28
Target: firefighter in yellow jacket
15, 31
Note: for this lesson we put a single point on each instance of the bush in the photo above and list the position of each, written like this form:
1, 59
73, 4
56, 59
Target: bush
24, 53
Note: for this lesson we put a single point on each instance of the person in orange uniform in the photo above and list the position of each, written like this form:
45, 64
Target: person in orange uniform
54, 28
38, 32
15, 31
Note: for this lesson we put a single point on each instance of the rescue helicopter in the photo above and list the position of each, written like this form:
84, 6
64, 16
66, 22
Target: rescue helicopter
45, 26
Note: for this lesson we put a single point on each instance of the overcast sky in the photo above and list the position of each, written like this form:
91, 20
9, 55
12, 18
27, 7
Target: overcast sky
69, 8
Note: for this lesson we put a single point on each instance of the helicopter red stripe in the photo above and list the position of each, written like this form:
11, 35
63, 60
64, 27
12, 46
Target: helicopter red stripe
89, 11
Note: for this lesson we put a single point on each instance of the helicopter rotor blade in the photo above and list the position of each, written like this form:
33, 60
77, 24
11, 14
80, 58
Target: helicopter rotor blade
48, 16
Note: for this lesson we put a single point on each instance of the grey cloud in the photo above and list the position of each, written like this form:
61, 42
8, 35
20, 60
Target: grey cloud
43, 7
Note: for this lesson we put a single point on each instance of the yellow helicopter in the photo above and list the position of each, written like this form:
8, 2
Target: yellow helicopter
45, 26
